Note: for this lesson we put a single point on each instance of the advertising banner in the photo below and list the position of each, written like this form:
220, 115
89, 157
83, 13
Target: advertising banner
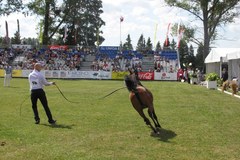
25, 73
2, 73
89, 74
165, 76
17, 73
96, 74
119, 75
71, 74
146, 75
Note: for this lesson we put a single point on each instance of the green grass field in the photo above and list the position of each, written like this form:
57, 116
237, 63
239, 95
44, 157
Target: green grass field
198, 124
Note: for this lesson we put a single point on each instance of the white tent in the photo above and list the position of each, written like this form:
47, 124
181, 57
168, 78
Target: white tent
217, 56
234, 55
234, 64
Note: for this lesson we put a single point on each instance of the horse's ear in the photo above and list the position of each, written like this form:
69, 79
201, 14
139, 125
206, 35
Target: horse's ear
130, 70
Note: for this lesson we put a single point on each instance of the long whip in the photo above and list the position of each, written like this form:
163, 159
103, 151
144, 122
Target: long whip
70, 100
112, 92
65, 96
20, 109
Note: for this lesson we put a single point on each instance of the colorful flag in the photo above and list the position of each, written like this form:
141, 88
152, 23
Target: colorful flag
180, 32
121, 19
168, 30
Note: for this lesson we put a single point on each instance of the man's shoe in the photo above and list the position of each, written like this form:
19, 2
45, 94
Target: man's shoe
37, 121
52, 122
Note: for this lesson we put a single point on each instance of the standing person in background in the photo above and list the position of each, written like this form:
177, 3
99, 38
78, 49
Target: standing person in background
190, 73
224, 75
185, 75
8, 75
37, 81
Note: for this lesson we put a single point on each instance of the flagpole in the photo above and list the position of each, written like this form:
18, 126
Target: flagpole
178, 58
179, 37
121, 20
120, 35
120, 43
155, 34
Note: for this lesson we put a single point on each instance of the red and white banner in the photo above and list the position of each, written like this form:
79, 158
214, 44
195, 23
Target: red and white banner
167, 35
146, 75
58, 47
166, 76
180, 32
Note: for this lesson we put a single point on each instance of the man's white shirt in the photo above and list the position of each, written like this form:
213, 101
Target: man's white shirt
37, 80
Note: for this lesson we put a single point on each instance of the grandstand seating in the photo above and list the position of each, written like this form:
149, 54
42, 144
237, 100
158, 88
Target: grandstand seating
171, 55
72, 59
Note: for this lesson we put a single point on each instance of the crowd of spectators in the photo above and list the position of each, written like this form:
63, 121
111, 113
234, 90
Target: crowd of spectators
71, 59
6, 56
163, 64
53, 59
118, 63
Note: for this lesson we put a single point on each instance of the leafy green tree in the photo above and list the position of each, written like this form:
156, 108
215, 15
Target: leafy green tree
141, 44
16, 39
9, 6
173, 45
158, 47
81, 17
191, 57
199, 58
1, 39
128, 44
45, 9
85, 17
183, 54
149, 45
212, 13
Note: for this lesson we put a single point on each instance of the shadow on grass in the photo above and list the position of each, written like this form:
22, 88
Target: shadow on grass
59, 126
164, 135
11, 87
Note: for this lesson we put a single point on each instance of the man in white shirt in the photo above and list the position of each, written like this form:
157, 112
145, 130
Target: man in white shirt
8, 75
37, 81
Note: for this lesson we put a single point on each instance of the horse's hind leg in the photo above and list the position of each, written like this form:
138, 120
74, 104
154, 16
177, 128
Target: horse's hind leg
153, 116
146, 120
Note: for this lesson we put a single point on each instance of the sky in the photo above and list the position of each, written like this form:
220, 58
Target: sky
147, 17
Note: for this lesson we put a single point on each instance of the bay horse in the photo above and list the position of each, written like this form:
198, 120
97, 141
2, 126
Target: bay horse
141, 98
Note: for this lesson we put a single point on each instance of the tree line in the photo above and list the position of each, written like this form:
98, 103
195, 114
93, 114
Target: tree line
83, 22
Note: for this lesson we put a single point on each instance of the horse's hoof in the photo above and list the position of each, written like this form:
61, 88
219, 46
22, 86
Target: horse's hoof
155, 134
158, 129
